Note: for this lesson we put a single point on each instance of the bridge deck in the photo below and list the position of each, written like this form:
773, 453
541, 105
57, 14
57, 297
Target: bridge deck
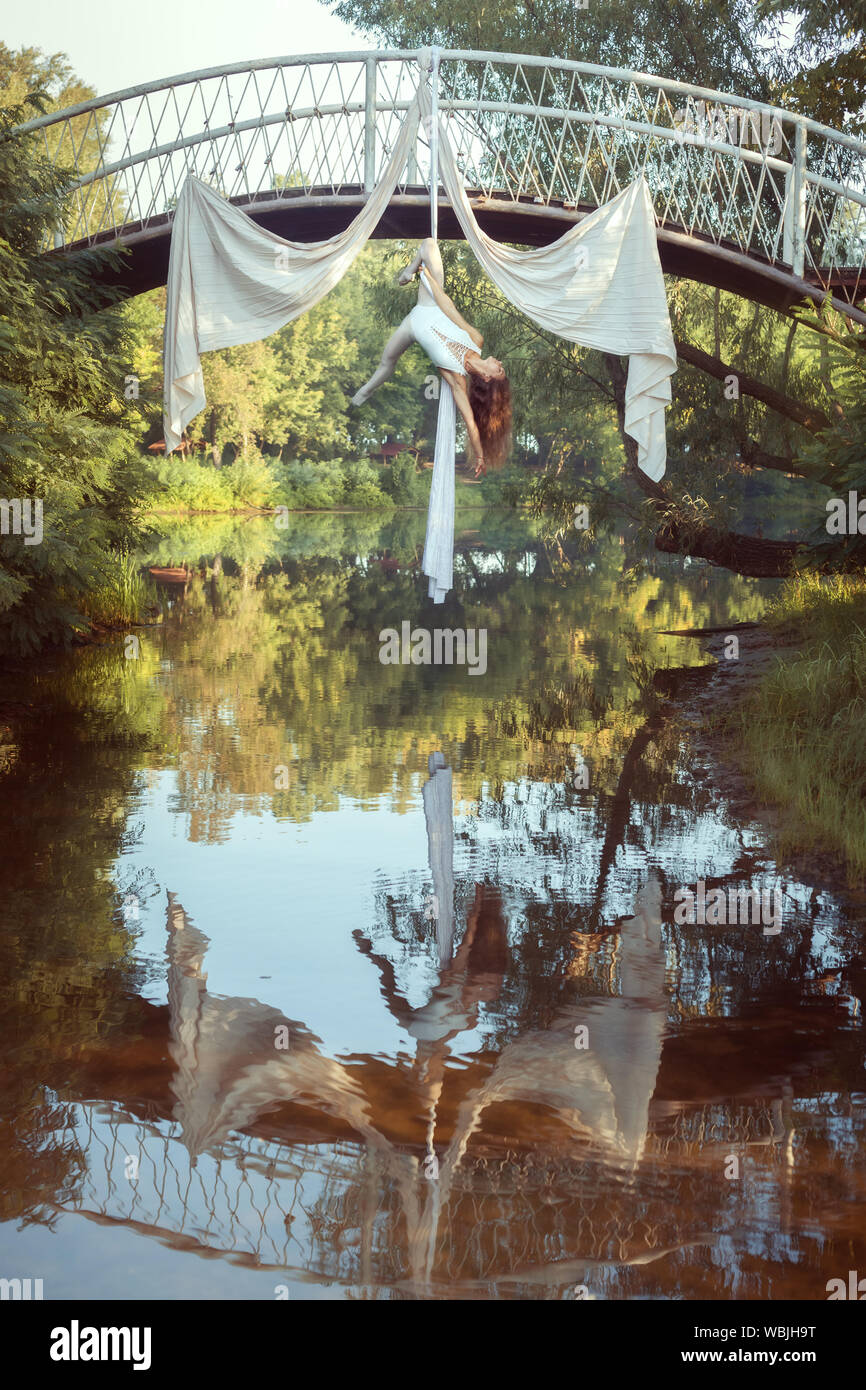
322, 212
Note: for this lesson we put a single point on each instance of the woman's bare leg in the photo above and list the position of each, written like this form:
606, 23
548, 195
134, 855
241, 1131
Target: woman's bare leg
401, 339
428, 255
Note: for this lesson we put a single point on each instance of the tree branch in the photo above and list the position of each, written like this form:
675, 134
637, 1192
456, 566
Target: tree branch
755, 457
808, 416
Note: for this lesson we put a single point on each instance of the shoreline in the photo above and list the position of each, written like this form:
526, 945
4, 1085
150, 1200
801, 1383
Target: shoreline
704, 714
322, 511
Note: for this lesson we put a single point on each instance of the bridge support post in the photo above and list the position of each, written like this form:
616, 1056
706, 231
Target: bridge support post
370, 126
794, 242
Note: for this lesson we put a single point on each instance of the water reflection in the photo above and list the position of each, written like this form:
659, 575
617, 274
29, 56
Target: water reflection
401, 1007
438, 812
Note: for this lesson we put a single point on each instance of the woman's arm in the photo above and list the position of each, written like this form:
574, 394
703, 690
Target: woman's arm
457, 382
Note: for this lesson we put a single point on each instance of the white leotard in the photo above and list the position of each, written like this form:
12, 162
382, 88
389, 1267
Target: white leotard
443, 341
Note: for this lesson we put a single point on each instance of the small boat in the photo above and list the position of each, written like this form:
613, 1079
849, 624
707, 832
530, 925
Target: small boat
168, 574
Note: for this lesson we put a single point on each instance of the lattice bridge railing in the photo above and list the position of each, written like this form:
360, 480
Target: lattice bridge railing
728, 172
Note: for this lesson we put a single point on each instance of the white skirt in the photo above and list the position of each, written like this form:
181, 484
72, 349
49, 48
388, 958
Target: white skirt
444, 343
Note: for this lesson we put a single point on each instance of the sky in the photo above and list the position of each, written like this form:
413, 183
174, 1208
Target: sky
112, 46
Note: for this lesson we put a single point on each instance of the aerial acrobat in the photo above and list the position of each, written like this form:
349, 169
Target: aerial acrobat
480, 386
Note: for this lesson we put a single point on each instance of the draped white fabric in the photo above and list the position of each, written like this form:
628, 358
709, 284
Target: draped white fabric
600, 284
438, 559
231, 281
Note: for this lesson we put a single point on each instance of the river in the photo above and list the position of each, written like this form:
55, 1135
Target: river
329, 978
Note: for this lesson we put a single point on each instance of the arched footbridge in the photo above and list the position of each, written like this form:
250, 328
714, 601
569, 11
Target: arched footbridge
755, 199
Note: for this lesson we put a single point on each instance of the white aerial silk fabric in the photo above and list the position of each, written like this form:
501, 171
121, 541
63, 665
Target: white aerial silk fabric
437, 562
231, 281
600, 284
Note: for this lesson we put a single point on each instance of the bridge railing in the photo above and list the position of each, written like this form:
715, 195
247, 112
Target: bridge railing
746, 177
337, 1211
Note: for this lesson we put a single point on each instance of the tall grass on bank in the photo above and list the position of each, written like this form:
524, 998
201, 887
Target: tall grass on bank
803, 731
122, 595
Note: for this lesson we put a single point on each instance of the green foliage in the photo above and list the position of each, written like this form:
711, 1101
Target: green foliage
801, 733
253, 481
819, 53
122, 596
364, 486
404, 484
837, 458
303, 485
711, 41
68, 434
180, 484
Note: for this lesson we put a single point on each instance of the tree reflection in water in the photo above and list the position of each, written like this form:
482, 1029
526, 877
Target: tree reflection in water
485, 1154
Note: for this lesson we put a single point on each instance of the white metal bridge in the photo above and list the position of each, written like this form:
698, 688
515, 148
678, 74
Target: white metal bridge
756, 199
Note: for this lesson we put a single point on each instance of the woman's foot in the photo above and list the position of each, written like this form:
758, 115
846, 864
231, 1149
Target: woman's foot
359, 398
406, 276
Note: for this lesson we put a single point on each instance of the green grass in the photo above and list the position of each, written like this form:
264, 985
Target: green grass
122, 595
803, 731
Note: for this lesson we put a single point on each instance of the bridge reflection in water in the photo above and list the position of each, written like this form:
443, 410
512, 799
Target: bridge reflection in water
535, 1170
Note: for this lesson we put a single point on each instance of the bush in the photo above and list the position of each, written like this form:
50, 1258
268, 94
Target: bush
251, 480
187, 485
403, 483
178, 484
362, 486
302, 485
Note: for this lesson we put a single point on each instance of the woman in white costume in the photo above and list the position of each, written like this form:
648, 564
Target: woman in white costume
480, 385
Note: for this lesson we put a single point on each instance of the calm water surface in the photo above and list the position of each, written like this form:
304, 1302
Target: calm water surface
299, 949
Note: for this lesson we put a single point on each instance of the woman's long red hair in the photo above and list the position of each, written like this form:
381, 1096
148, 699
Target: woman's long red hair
491, 405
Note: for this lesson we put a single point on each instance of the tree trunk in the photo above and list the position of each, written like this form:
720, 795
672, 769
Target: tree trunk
755, 457
751, 556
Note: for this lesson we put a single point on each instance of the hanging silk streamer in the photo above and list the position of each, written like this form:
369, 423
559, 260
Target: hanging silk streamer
231, 281
438, 560
600, 284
